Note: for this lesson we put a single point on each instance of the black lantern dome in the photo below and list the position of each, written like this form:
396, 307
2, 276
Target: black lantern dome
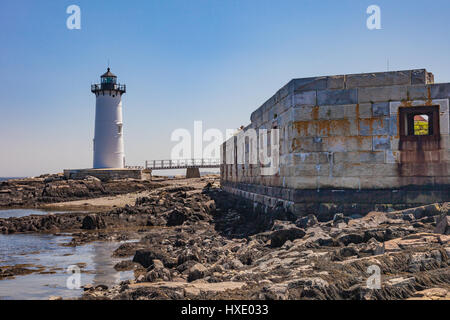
108, 83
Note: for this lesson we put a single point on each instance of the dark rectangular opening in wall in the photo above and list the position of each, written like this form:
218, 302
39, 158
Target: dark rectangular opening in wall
418, 122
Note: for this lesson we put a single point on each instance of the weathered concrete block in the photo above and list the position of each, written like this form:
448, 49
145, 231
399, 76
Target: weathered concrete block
359, 157
266, 116
286, 160
350, 111
338, 182
309, 84
444, 126
426, 169
380, 109
285, 117
393, 125
285, 171
378, 79
418, 76
395, 143
276, 110
418, 92
393, 107
381, 94
392, 156
364, 110
305, 98
445, 141
286, 103
311, 158
302, 129
303, 113
307, 145
325, 128
384, 183
346, 169
331, 112
268, 104
343, 144
337, 112
327, 97
301, 182
374, 126
443, 104
381, 143
442, 180
336, 82
420, 197
257, 114
440, 91
311, 170
283, 92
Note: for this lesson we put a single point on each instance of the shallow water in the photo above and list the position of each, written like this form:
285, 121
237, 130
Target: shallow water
10, 178
17, 213
97, 265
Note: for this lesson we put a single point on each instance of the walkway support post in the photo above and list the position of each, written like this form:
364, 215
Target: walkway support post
192, 173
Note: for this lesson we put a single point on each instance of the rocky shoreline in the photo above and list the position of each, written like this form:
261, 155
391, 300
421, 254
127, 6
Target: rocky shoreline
50, 189
194, 241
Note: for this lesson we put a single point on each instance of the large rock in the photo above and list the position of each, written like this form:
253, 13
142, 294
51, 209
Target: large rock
158, 272
175, 218
146, 257
92, 222
443, 225
187, 255
197, 271
307, 222
420, 212
280, 236
355, 238
319, 237
338, 218
308, 283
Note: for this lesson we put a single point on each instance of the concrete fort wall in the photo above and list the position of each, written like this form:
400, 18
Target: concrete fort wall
346, 145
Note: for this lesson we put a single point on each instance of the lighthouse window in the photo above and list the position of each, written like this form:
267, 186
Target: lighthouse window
119, 128
108, 80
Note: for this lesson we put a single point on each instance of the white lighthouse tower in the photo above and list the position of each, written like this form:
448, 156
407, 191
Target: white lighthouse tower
108, 139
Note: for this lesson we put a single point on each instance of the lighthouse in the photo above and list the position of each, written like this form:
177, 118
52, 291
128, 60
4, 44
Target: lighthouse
109, 157
108, 137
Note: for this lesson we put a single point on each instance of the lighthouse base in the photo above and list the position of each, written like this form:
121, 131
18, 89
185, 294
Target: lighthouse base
108, 174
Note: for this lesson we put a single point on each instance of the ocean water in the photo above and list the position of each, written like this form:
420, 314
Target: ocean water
17, 213
9, 178
48, 253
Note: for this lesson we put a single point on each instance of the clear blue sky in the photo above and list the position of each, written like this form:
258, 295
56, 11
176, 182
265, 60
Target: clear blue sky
182, 61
